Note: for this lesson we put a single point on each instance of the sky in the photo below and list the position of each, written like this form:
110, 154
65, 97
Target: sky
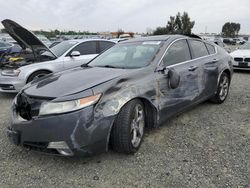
128, 15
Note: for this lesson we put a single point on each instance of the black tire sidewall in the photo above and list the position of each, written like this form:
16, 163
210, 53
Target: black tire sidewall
33, 75
122, 142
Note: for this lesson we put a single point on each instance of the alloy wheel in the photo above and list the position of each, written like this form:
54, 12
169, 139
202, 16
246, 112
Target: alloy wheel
137, 126
224, 85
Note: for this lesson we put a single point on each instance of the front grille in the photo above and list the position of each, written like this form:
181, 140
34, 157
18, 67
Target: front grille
7, 87
247, 59
239, 59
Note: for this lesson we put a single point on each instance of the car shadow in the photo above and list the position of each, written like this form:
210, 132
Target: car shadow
7, 95
242, 71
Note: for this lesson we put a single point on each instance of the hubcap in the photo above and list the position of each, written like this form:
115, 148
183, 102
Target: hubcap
137, 126
224, 84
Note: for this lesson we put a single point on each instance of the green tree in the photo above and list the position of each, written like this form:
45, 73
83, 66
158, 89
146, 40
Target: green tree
230, 29
179, 24
160, 31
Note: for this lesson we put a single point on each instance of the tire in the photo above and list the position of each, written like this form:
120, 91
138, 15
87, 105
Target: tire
37, 74
128, 129
222, 90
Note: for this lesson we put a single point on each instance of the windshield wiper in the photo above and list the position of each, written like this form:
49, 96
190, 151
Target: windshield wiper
113, 67
85, 65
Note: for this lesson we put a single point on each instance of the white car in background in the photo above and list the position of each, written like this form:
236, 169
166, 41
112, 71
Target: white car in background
39, 60
242, 57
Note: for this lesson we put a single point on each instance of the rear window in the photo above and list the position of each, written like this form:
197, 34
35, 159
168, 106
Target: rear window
210, 48
86, 48
198, 48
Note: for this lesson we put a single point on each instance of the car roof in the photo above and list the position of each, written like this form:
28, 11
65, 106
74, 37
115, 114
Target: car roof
85, 40
159, 38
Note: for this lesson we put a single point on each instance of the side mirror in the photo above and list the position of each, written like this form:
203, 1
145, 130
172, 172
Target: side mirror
75, 54
174, 78
172, 75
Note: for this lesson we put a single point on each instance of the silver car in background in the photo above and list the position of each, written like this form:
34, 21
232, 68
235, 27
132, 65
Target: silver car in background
39, 60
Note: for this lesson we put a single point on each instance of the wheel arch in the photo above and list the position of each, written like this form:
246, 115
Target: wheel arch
35, 71
228, 72
151, 114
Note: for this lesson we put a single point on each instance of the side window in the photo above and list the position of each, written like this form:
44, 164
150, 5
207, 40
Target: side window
177, 52
103, 45
210, 48
86, 48
198, 48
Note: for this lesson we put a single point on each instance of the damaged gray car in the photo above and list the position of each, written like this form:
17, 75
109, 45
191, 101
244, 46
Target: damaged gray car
109, 102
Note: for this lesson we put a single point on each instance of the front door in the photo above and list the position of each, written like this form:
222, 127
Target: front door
173, 101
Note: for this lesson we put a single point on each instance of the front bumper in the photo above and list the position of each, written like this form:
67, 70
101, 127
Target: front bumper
241, 65
10, 84
84, 134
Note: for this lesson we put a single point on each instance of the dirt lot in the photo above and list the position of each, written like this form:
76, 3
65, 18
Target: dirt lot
208, 146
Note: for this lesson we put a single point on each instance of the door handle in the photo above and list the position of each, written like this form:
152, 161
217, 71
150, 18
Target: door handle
192, 68
214, 61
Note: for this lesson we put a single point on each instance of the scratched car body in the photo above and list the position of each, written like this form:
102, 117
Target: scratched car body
108, 103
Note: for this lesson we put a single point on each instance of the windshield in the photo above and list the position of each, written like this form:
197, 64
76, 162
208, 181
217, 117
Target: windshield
245, 46
128, 55
62, 47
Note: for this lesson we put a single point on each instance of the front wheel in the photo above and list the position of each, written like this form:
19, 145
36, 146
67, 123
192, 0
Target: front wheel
222, 90
128, 129
37, 75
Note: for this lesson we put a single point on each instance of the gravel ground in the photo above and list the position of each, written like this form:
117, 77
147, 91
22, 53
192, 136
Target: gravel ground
208, 146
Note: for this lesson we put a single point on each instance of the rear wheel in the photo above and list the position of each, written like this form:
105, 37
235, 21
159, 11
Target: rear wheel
128, 129
37, 75
222, 90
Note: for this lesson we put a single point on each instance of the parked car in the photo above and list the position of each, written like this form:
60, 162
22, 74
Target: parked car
110, 101
8, 49
41, 60
4, 47
242, 57
229, 41
222, 45
239, 41
7, 38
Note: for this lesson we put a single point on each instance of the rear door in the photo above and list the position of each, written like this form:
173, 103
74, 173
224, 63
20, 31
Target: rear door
204, 55
88, 51
172, 101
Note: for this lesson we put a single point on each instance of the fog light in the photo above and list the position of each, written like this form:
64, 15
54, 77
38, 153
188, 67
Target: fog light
66, 152
61, 147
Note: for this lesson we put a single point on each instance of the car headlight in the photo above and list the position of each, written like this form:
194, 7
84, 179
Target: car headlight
67, 106
11, 72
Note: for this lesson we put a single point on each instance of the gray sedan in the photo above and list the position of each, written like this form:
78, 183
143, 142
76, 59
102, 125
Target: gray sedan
136, 84
41, 60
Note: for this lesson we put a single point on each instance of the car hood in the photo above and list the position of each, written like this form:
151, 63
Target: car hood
24, 38
72, 81
241, 53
